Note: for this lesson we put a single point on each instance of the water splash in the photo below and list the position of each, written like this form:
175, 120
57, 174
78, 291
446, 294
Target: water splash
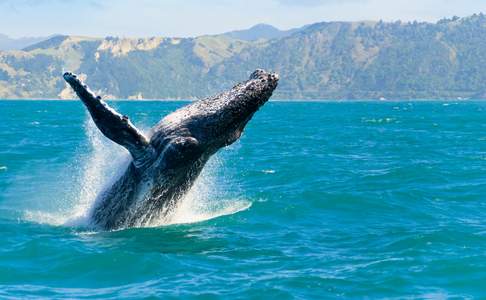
206, 199
104, 163
90, 172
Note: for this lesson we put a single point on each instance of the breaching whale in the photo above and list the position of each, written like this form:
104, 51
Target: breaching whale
166, 161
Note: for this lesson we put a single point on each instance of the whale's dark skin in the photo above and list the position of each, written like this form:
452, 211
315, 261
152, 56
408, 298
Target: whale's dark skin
167, 161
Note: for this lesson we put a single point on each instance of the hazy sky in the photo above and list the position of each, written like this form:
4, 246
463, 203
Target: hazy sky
196, 17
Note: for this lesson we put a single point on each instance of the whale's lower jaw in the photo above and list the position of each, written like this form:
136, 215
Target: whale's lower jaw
165, 166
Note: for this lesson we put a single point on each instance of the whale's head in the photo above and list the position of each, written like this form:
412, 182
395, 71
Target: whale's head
212, 123
185, 139
221, 120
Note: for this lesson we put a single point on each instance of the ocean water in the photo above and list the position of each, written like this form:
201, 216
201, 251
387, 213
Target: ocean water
317, 200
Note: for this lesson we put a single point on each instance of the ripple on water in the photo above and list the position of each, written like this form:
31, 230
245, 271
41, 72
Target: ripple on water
367, 200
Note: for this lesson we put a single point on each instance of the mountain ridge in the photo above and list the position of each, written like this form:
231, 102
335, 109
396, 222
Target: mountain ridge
7, 43
326, 60
260, 31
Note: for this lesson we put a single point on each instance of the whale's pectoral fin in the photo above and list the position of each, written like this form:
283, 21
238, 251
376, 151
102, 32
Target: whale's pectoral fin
113, 125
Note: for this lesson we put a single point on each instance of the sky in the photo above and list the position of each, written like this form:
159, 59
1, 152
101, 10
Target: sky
183, 18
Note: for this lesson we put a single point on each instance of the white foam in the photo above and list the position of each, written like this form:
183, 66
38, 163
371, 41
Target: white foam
190, 214
100, 169
206, 200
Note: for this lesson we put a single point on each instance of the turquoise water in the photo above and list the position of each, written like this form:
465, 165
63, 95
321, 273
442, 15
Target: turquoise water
317, 200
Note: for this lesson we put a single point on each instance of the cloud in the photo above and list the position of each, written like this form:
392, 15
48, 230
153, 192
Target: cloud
17, 4
196, 17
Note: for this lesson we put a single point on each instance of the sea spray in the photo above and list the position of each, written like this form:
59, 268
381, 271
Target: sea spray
90, 171
207, 199
101, 168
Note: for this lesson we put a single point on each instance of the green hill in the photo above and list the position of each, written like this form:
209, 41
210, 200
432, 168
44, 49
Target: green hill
330, 60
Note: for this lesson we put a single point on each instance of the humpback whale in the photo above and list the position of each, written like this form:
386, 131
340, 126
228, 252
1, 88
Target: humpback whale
166, 161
